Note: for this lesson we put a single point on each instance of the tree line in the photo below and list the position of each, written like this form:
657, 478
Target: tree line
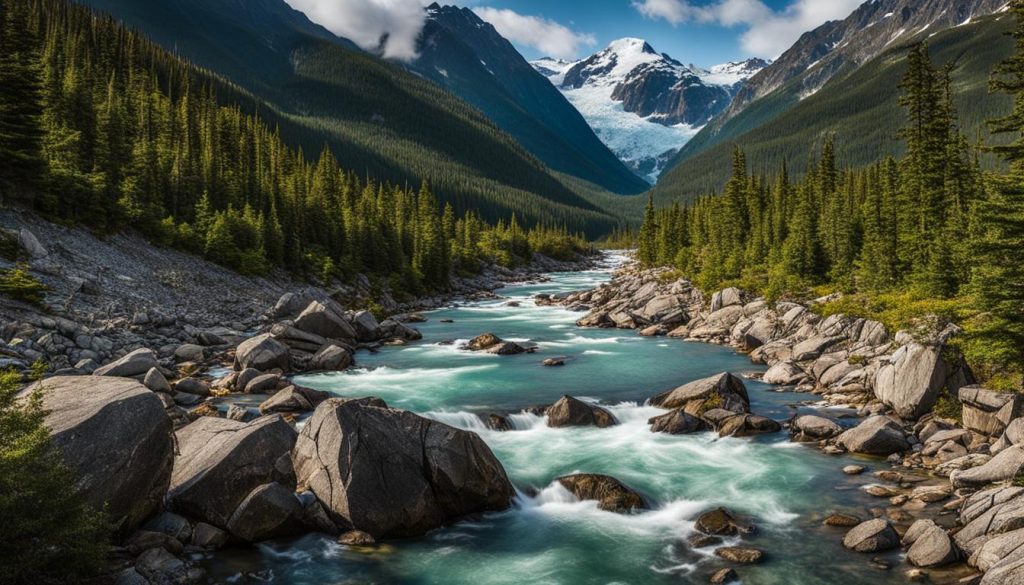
102, 128
930, 224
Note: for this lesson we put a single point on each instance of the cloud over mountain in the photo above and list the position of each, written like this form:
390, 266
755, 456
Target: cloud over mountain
547, 36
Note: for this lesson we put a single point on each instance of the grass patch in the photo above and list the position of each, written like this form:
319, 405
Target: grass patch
20, 285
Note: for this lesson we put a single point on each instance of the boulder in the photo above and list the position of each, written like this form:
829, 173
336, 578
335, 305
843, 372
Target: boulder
263, 353
392, 473
221, 461
811, 349
136, 363
244, 377
720, 522
1003, 467
30, 244
726, 298
319, 319
331, 358
930, 545
506, 348
872, 536
189, 352
721, 391
809, 427
294, 399
367, 327
208, 536
114, 434
482, 342
262, 384
997, 548
269, 511
745, 555
841, 520
192, 386
723, 576
989, 412
677, 422
876, 435
572, 412
745, 425
1009, 571
611, 495
784, 374
156, 381
911, 380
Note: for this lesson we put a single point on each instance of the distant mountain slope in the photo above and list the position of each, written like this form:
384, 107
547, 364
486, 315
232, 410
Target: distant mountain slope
645, 105
860, 110
833, 50
377, 117
466, 55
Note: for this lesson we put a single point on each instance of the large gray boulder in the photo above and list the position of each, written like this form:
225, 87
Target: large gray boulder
136, 363
262, 353
331, 358
572, 412
269, 511
293, 399
930, 545
720, 391
996, 549
1003, 467
221, 461
1009, 571
114, 434
784, 374
677, 422
366, 325
911, 380
809, 427
988, 514
877, 435
392, 473
319, 319
989, 412
726, 298
872, 536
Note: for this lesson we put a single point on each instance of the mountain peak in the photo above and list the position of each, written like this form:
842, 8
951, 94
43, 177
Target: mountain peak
631, 45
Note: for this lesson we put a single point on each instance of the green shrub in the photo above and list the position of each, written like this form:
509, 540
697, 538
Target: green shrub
49, 535
10, 248
19, 285
949, 407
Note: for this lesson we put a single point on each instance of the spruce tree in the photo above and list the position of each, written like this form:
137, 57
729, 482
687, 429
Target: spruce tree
21, 105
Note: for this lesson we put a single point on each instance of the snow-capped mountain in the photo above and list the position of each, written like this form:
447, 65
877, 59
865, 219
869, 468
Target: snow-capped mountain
643, 104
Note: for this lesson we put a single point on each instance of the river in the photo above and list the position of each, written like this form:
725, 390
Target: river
786, 489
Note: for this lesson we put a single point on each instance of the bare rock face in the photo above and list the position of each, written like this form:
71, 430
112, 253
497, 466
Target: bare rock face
391, 473
262, 353
1003, 467
221, 461
572, 412
114, 433
877, 435
930, 546
611, 494
720, 391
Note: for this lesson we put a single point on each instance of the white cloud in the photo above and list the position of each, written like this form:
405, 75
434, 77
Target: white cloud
547, 36
768, 32
391, 26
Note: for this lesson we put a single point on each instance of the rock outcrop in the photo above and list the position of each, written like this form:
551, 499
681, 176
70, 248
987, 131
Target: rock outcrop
720, 391
573, 412
910, 381
877, 435
391, 473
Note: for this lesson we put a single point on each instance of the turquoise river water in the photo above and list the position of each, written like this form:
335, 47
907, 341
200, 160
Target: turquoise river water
785, 488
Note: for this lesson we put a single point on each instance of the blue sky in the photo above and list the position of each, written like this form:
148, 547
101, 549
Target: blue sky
703, 32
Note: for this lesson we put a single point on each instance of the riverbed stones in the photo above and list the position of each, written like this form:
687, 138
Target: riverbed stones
721, 522
720, 391
136, 363
221, 461
841, 520
611, 494
331, 358
269, 511
677, 422
506, 348
114, 434
263, 353
262, 384
392, 473
325, 321
872, 536
784, 374
876, 435
810, 427
573, 412
356, 538
723, 576
746, 425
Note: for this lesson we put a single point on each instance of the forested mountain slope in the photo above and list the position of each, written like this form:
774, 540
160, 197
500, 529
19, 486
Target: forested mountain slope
377, 118
468, 57
860, 110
